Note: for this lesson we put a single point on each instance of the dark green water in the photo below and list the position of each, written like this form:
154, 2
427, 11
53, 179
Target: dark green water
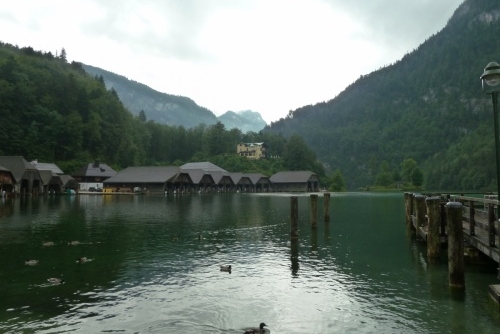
150, 273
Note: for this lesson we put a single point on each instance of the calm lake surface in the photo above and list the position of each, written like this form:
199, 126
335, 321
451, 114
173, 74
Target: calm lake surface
360, 273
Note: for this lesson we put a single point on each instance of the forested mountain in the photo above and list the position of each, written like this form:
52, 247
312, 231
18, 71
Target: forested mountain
428, 106
172, 110
54, 111
159, 107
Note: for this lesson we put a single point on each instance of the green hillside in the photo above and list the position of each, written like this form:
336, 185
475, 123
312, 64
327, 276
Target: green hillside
160, 107
54, 111
428, 106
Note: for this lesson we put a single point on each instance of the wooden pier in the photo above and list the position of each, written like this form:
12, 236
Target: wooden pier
428, 217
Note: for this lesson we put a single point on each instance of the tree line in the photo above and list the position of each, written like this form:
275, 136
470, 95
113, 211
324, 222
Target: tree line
54, 111
428, 106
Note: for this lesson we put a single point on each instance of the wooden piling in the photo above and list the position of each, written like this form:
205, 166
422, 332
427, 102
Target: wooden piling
472, 221
442, 229
294, 217
433, 238
326, 206
491, 224
455, 245
420, 210
314, 210
408, 207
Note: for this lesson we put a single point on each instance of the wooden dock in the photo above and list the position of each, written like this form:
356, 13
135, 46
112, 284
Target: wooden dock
480, 225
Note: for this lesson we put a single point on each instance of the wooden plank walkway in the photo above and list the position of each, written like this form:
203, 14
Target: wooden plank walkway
480, 224
480, 239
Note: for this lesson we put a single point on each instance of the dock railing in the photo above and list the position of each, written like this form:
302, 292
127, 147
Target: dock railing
479, 219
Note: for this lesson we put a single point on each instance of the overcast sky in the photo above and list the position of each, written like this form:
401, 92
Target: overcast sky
269, 56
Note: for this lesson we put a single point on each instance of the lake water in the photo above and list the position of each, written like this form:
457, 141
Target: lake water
150, 272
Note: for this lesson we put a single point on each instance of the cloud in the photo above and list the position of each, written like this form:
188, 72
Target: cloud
269, 56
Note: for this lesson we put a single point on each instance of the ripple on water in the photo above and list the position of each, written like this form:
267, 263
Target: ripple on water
152, 274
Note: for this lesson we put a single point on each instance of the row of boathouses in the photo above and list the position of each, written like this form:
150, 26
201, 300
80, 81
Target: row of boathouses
18, 176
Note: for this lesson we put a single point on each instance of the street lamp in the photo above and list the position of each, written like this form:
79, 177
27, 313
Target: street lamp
491, 85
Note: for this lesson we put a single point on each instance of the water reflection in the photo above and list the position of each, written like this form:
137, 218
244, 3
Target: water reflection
151, 272
294, 256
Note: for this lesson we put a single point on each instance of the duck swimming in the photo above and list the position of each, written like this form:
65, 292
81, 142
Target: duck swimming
55, 280
83, 260
31, 262
254, 330
225, 268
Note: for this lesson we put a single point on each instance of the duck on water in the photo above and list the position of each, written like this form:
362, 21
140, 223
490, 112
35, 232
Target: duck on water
55, 280
226, 268
259, 330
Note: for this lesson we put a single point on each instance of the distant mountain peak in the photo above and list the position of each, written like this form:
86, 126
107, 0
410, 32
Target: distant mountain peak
245, 120
170, 109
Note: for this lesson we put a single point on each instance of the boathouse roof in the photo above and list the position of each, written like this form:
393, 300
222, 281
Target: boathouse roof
47, 166
240, 178
222, 178
257, 177
292, 177
68, 181
95, 169
199, 175
205, 165
145, 174
17, 165
49, 177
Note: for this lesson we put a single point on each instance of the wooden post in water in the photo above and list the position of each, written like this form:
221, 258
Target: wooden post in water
314, 210
420, 210
326, 206
408, 206
433, 238
443, 220
491, 224
455, 245
294, 217
472, 222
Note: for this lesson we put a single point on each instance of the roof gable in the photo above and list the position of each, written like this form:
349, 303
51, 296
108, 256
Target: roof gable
218, 176
206, 166
198, 175
17, 165
145, 174
292, 177
49, 177
95, 169
256, 177
47, 166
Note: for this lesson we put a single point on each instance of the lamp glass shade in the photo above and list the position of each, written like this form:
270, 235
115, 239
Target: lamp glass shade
492, 79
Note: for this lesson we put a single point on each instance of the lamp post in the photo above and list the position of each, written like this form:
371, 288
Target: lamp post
491, 85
